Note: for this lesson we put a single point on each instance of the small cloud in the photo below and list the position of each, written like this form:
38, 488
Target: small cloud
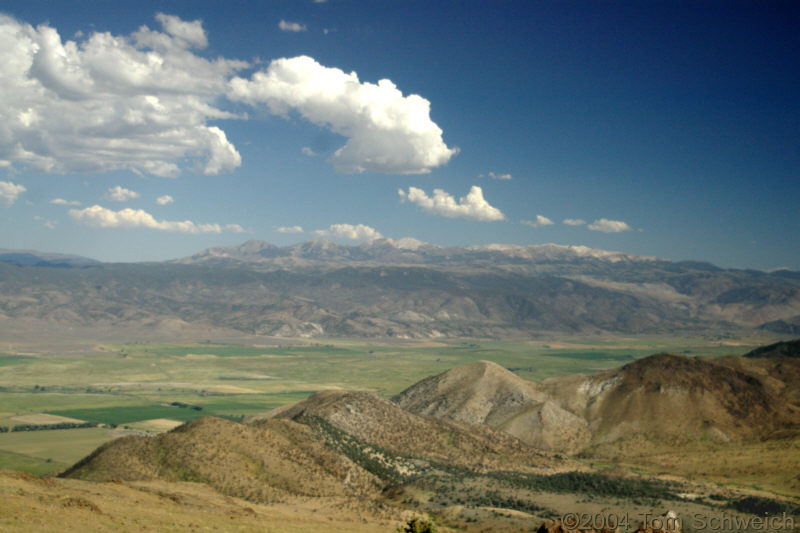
100, 217
9, 192
61, 201
609, 226
289, 229
164, 200
539, 222
121, 194
291, 26
190, 32
472, 206
574, 221
308, 151
49, 224
234, 228
359, 232
496, 176
320, 1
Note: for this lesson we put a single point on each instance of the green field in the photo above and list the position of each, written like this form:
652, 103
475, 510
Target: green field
128, 383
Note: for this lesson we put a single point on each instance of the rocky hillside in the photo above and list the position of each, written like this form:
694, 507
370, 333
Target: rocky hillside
400, 289
382, 424
665, 397
486, 393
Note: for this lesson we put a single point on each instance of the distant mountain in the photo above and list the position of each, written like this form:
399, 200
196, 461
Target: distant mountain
396, 289
34, 258
405, 251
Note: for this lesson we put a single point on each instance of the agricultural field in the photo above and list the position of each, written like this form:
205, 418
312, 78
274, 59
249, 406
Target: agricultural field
150, 387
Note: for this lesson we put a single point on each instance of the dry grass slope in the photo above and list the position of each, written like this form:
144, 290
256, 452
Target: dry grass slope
262, 462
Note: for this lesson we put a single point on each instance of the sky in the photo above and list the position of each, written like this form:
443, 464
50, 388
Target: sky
152, 130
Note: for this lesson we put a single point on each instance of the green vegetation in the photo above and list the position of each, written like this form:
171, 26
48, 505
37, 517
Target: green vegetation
126, 414
375, 460
30, 450
592, 483
417, 525
764, 506
6, 359
60, 425
27, 463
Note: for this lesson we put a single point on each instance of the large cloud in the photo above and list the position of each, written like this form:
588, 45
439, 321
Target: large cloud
386, 131
359, 232
472, 206
9, 192
138, 102
100, 217
609, 226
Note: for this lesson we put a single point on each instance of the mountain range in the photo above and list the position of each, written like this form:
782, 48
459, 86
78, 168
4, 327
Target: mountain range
397, 289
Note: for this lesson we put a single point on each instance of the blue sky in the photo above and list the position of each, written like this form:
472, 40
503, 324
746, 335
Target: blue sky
657, 128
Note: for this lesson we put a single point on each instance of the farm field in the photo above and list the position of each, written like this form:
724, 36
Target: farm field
149, 387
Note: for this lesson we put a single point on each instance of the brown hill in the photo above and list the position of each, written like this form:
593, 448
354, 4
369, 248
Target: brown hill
674, 398
484, 392
663, 397
265, 461
381, 423
779, 349
776, 366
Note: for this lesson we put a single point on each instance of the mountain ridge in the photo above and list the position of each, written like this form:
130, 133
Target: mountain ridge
408, 290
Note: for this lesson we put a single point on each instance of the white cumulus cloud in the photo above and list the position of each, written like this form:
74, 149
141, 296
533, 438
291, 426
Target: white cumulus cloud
289, 229
540, 221
101, 217
609, 226
164, 200
472, 206
121, 194
107, 102
386, 131
9, 192
358, 232
291, 26
61, 201
574, 221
